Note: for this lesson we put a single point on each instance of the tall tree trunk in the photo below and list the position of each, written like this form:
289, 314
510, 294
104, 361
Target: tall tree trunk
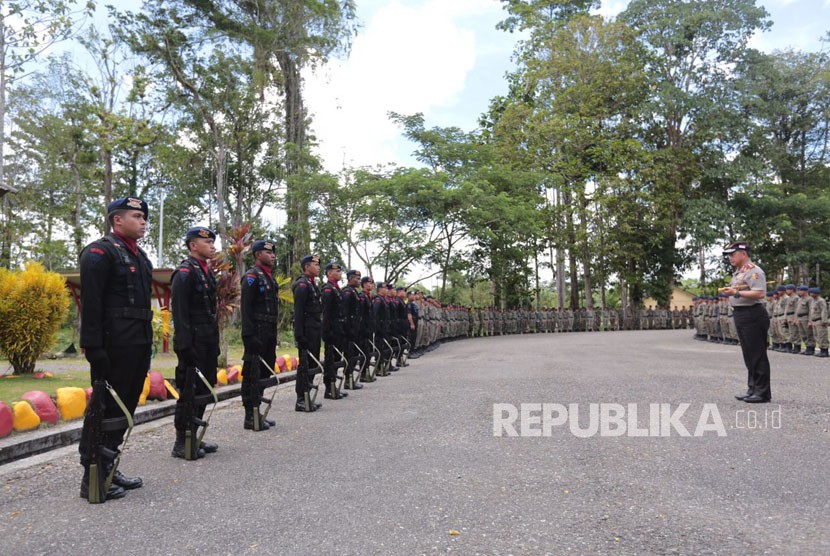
105, 154
572, 250
297, 198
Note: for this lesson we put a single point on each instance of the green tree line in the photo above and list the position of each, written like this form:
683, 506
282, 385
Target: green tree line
622, 153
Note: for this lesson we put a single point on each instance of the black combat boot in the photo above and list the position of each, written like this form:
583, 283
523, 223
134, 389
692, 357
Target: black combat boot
811, 350
113, 493
823, 353
249, 421
179, 447
796, 349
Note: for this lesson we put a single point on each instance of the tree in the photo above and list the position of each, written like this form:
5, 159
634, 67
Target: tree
286, 37
27, 29
692, 49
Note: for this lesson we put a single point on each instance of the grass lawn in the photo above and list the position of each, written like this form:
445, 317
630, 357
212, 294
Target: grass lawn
75, 372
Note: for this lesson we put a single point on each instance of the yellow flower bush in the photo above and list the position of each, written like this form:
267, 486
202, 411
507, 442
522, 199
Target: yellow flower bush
33, 304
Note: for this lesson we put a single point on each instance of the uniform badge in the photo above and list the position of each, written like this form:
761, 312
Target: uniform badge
250, 278
204, 234
755, 276
134, 203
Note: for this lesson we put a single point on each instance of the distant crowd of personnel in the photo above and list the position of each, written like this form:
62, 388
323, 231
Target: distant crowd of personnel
798, 315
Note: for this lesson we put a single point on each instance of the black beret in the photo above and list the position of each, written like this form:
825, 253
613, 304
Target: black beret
199, 231
352, 272
400, 288
366, 279
381, 285
308, 259
264, 245
128, 203
814, 290
333, 265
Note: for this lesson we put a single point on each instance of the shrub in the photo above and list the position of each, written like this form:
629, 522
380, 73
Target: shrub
33, 304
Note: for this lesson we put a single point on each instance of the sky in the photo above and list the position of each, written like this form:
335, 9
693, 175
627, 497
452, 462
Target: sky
445, 58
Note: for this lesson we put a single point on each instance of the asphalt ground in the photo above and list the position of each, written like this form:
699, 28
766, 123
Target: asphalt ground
403, 465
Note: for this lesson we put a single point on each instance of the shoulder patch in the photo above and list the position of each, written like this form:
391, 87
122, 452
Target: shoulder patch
96, 250
184, 269
755, 276
301, 284
250, 278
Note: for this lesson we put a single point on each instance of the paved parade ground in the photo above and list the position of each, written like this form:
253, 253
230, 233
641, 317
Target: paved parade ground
410, 464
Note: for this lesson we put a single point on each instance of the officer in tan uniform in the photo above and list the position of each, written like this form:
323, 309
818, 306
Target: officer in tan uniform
747, 288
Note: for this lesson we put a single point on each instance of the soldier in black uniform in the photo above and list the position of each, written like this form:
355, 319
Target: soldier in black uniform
196, 341
333, 333
380, 323
351, 325
412, 320
367, 327
116, 325
260, 312
307, 326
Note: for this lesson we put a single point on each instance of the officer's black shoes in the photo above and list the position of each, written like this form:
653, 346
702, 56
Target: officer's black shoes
394, 369
127, 483
113, 493
742, 397
809, 351
353, 386
209, 447
823, 353
271, 423
755, 398
796, 350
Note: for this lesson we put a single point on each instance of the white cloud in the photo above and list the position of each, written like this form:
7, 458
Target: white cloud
408, 58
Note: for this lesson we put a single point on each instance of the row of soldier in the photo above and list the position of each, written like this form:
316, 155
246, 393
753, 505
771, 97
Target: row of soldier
798, 318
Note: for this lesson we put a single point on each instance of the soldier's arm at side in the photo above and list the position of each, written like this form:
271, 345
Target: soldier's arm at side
95, 270
300, 296
246, 304
181, 309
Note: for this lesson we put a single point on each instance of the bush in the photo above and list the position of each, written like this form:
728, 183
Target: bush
33, 304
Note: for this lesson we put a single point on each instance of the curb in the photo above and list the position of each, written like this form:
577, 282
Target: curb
16, 447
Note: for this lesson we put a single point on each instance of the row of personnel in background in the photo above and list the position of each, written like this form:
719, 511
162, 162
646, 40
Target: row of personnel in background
798, 315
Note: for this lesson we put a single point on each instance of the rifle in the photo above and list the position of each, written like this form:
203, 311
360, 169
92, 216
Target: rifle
360, 362
103, 458
262, 384
342, 364
388, 361
316, 379
372, 368
191, 402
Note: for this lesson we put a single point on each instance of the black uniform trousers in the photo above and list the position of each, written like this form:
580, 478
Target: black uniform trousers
205, 361
752, 324
253, 370
303, 382
127, 372
331, 360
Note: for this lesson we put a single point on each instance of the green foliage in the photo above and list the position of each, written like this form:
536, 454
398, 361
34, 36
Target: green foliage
33, 305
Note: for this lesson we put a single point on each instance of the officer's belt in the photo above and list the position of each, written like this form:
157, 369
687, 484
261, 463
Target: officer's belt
790, 313
130, 313
264, 317
805, 315
816, 320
